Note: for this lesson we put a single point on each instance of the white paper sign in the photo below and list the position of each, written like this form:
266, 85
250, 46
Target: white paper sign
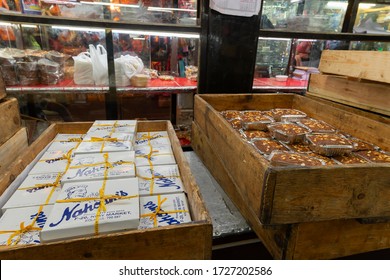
244, 8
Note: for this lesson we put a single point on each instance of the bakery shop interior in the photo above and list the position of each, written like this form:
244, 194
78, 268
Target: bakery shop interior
217, 129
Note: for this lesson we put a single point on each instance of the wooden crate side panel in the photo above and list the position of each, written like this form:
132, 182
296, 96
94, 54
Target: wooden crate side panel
329, 193
188, 241
222, 102
360, 126
73, 127
9, 118
274, 238
244, 163
10, 150
340, 238
368, 65
2, 88
374, 97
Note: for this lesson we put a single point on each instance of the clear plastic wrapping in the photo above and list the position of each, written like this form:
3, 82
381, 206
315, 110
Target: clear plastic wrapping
329, 144
254, 120
286, 158
292, 115
47, 66
267, 146
57, 57
316, 126
375, 156
288, 132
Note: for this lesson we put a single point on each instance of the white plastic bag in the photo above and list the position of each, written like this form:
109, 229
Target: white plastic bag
99, 64
126, 67
83, 69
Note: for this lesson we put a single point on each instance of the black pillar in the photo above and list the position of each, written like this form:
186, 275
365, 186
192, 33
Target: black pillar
228, 52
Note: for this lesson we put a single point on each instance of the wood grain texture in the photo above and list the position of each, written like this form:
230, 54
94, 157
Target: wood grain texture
2, 88
367, 65
9, 118
187, 241
274, 238
339, 238
285, 195
10, 150
370, 96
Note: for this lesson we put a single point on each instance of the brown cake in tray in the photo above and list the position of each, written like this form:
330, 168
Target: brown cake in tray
266, 146
329, 144
350, 159
288, 132
327, 160
253, 134
281, 114
299, 148
255, 122
231, 114
360, 145
291, 158
375, 156
235, 123
317, 126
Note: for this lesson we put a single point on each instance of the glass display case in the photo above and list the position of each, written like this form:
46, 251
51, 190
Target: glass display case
372, 18
304, 15
54, 70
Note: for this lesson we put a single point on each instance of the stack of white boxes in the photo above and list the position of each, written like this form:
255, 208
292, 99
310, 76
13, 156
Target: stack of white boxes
110, 179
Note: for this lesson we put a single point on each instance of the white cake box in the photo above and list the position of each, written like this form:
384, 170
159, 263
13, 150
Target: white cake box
63, 146
152, 138
151, 155
127, 129
160, 179
163, 210
87, 167
105, 141
118, 123
38, 189
14, 223
63, 137
79, 212
107, 136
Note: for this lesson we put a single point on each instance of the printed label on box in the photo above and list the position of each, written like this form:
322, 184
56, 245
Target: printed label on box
152, 138
149, 155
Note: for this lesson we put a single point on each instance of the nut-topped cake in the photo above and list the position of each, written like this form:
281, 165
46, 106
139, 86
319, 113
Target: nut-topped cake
288, 132
296, 159
266, 146
329, 144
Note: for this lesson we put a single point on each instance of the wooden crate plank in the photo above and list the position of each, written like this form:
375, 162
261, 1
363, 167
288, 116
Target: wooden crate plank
10, 150
274, 238
2, 88
9, 118
340, 238
367, 65
171, 243
370, 96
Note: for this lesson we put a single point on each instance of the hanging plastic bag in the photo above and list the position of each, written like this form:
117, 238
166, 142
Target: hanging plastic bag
126, 67
83, 69
99, 64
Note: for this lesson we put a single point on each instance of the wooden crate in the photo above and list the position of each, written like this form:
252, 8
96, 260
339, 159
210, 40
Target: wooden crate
186, 241
9, 118
358, 79
314, 240
2, 88
285, 195
10, 150
367, 65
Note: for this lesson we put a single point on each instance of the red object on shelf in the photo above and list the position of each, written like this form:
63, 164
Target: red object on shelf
272, 82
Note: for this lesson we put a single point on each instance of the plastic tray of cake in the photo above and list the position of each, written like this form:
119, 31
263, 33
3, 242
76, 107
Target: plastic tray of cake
254, 134
288, 132
286, 158
329, 144
375, 156
316, 126
231, 114
267, 146
255, 120
292, 115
